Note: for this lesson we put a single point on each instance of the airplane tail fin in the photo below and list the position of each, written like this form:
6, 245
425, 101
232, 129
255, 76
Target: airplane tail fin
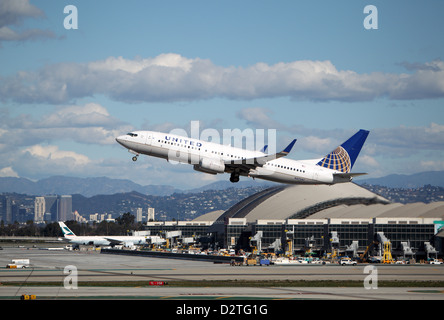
66, 231
343, 157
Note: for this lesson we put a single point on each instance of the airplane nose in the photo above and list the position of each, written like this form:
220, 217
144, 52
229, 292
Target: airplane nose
120, 140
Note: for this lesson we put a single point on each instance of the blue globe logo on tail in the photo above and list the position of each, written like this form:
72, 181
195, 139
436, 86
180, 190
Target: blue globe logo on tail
337, 160
343, 157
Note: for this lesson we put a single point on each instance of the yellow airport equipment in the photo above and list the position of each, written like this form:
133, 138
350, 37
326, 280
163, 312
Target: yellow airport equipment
364, 255
387, 256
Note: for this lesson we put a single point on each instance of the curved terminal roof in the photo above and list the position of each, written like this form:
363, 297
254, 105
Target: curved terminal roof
301, 201
339, 201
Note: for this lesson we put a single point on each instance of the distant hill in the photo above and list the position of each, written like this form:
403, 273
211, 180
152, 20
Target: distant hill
434, 178
85, 186
185, 206
222, 185
89, 187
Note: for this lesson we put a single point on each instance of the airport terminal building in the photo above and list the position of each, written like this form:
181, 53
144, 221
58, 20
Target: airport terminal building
342, 219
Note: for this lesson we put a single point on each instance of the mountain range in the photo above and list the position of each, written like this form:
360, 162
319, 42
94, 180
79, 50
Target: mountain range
89, 187
416, 180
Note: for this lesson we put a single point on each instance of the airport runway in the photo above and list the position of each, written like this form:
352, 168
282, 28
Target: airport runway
48, 266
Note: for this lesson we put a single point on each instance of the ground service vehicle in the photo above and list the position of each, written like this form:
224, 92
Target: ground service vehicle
347, 261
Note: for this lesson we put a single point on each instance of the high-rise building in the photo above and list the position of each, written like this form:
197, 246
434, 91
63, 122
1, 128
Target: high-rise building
139, 215
150, 214
51, 208
39, 209
6, 209
64, 208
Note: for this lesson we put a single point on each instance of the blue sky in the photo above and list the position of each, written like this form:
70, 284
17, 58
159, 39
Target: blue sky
310, 70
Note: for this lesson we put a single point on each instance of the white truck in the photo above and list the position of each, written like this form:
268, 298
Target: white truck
18, 264
347, 261
435, 261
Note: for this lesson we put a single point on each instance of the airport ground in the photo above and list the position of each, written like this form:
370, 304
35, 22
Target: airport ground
104, 276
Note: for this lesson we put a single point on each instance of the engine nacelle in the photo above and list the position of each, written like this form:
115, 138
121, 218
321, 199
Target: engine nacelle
210, 166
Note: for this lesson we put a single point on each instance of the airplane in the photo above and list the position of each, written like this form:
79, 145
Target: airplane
213, 158
127, 241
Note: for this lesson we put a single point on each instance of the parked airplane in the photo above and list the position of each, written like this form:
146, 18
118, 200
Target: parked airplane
214, 158
127, 241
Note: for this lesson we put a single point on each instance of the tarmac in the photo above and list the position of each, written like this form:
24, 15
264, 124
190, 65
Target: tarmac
57, 267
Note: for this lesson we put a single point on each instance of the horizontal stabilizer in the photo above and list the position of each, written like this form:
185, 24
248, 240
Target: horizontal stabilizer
348, 174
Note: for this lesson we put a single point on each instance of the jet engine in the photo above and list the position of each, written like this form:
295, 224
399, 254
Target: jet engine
210, 166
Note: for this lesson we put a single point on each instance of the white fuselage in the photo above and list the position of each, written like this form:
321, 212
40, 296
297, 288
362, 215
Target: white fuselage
101, 241
214, 158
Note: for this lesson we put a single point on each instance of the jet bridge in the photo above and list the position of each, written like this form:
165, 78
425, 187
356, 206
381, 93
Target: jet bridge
430, 250
407, 250
172, 236
256, 242
276, 245
352, 249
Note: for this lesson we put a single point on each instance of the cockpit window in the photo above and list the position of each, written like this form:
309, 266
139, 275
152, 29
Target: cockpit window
132, 134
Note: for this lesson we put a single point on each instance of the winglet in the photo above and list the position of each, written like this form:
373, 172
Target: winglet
287, 149
264, 149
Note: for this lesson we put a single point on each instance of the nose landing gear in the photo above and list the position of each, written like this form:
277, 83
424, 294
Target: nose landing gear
136, 154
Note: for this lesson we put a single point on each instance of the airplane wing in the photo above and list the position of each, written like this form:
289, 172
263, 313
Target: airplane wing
252, 163
114, 241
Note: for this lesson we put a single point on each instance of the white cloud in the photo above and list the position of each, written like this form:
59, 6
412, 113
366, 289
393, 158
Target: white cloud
53, 154
8, 172
369, 161
258, 117
435, 128
172, 77
409, 139
89, 123
137, 65
317, 145
431, 165
90, 114
12, 13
